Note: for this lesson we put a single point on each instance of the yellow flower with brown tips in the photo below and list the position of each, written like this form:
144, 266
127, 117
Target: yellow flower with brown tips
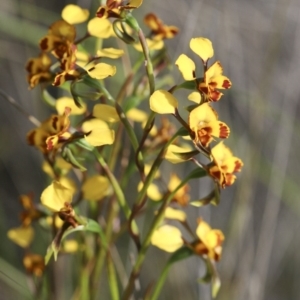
159, 30
38, 69
203, 121
224, 165
214, 80
210, 241
114, 8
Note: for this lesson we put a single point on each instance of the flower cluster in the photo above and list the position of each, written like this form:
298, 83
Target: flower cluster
99, 141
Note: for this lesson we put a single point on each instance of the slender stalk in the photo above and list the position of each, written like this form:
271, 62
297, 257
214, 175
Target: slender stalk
145, 245
117, 189
148, 62
112, 279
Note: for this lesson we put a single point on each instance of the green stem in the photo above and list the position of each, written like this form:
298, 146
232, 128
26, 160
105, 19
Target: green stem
112, 279
148, 62
161, 281
159, 217
117, 189
154, 168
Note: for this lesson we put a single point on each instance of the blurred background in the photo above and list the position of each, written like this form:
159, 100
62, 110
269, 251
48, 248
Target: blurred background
258, 45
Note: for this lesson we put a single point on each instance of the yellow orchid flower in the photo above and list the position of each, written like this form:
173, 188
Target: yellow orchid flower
213, 80
96, 188
203, 48
98, 133
22, 236
159, 30
34, 264
74, 14
163, 102
224, 165
63, 102
50, 132
181, 196
203, 120
167, 238
38, 69
210, 241
57, 197
113, 8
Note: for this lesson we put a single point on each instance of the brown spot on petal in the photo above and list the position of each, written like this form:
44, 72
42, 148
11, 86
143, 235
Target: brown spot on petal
101, 12
238, 165
204, 135
44, 45
226, 84
54, 122
30, 137
215, 95
224, 131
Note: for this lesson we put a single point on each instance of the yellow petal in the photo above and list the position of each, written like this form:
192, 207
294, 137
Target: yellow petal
173, 158
220, 82
110, 53
152, 192
221, 152
214, 238
64, 102
106, 113
96, 188
167, 238
219, 129
163, 102
101, 71
68, 183
55, 196
100, 28
186, 67
148, 168
74, 14
201, 115
202, 230
202, 47
135, 3
137, 115
62, 30
22, 236
215, 69
98, 133
152, 45
195, 97
175, 214
70, 246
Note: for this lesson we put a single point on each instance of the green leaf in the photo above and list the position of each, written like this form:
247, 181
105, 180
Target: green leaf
182, 132
191, 107
75, 95
51, 101
190, 85
89, 225
213, 197
197, 173
186, 155
132, 102
180, 254
92, 82
70, 158
123, 35
211, 276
